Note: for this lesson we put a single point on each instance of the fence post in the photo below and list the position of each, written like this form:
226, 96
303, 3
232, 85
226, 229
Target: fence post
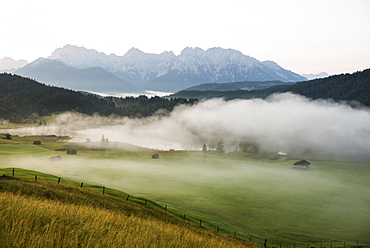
200, 223
184, 216
265, 244
82, 184
146, 201
35, 178
103, 190
58, 180
13, 172
165, 207
127, 197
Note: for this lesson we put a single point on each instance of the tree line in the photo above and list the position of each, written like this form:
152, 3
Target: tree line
246, 145
23, 99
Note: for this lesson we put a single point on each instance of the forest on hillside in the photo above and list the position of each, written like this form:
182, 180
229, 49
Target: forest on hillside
344, 87
25, 100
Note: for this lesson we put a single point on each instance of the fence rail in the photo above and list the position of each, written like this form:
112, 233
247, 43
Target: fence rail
186, 217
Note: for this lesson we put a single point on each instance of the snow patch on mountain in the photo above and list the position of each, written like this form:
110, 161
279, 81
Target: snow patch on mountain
80, 57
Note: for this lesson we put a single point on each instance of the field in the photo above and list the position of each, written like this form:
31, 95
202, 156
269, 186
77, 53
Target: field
47, 214
248, 195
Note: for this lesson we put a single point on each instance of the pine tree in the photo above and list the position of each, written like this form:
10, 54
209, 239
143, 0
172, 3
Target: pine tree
204, 148
220, 147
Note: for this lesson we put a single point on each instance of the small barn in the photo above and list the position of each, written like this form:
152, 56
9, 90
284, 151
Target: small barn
37, 142
155, 156
302, 164
55, 158
72, 152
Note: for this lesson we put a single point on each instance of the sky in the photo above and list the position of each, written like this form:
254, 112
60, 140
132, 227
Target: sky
306, 36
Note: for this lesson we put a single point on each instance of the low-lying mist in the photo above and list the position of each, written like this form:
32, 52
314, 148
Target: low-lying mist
320, 202
285, 123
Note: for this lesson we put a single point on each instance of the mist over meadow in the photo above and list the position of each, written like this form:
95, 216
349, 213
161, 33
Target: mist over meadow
227, 189
287, 123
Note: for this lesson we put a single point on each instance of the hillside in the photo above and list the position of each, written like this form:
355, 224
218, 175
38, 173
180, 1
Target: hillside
344, 87
23, 99
47, 214
246, 85
232, 191
94, 79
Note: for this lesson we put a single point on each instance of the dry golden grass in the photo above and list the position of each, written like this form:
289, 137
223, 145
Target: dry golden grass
33, 220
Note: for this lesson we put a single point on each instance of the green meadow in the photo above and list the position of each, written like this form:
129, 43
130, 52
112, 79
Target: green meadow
247, 195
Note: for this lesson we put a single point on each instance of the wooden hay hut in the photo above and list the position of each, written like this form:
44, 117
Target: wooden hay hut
37, 142
72, 152
55, 158
301, 164
155, 156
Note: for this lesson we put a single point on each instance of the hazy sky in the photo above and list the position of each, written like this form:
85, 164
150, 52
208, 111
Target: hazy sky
306, 36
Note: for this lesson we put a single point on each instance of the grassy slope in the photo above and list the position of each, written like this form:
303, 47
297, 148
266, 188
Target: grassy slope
47, 214
246, 193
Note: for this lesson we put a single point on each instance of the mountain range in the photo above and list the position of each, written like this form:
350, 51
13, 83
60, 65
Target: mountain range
10, 65
91, 79
138, 71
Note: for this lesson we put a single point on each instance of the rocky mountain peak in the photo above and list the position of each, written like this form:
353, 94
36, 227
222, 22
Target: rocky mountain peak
9, 64
166, 71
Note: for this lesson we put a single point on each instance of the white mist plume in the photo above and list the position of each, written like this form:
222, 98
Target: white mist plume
283, 122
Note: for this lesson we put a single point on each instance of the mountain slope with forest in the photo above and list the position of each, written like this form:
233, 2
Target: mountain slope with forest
344, 87
22, 98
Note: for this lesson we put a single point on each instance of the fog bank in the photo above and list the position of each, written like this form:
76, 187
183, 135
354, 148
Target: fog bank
283, 122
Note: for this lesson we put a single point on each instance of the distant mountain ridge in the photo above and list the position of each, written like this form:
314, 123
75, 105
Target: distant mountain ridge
93, 79
168, 72
9, 65
246, 85
311, 76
